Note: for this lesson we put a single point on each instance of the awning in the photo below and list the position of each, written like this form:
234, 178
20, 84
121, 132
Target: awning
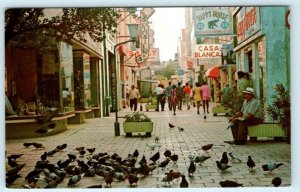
212, 72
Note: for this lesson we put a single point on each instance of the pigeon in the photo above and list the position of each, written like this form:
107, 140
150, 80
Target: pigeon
79, 148
46, 118
12, 162
132, 178
38, 145
153, 146
180, 129
156, 139
61, 147
221, 166
167, 153
33, 174
174, 158
183, 183
192, 168
44, 156
250, 163
82, 152
224, 159
276, 181
204, 117
14, 171
168, 178
234, 156
164, 163
11, 179
95, 186
46, 128
171, 126
143, 161
108, 179
155, 157
71, 156
271, 166
207, 147
135, 153
229, 183
52, 152
201, 159
15, 156
26, 145
75, 179
91, 150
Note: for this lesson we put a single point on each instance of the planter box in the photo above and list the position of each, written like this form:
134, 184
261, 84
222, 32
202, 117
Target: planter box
220, 109
132, 127
266, 130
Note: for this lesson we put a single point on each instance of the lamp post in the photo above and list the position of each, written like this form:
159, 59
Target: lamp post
133, 29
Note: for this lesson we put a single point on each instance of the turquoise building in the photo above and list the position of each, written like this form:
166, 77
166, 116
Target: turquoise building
262, 47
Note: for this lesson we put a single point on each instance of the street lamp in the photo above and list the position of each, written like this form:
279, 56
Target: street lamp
133, 29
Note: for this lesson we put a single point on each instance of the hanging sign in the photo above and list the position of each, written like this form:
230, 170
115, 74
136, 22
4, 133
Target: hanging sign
146, 13
205, 51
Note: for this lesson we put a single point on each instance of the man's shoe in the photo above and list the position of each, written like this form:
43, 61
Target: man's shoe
240, 142
230, 142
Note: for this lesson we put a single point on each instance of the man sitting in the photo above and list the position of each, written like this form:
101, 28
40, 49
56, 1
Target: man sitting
247, 116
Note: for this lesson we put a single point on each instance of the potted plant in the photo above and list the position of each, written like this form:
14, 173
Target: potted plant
280, 109
137, 122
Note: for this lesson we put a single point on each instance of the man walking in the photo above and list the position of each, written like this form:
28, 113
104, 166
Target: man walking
187, 92
159, 91
134, 94
168, 95
179, 93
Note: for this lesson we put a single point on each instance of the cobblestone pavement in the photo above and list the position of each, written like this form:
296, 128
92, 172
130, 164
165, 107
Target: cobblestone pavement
99, 133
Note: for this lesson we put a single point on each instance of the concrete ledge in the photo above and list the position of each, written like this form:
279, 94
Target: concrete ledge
97, 111
26, 127
220, 109
79, 117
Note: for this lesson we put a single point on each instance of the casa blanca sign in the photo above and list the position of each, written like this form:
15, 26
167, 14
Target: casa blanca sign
206, 51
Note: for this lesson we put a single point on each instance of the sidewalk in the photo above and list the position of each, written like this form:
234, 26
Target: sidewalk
99, 133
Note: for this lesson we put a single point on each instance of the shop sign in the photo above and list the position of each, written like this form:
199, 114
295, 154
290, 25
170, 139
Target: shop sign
146, 13
248, 22
153, 54
204, 51
212, 22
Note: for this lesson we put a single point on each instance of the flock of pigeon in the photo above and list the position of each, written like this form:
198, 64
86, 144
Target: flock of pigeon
85, 162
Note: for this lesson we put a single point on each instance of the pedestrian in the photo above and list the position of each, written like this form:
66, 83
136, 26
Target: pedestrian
187, 92
174, 98
247, 77
134, 94
163, 98
227, 90
179, 93
127, 89
205, 96
159, 92
247, 116
242, 83
168, 95
66, 97
197, 96
78, 88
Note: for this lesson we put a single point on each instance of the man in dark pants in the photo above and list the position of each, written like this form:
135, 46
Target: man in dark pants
247, 116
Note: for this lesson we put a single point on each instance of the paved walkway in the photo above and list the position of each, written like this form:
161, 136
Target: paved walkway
99, 133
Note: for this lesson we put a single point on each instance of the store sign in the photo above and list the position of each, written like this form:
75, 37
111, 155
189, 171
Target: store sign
205, 51
212, 22
248, 22
146, 13
154, 54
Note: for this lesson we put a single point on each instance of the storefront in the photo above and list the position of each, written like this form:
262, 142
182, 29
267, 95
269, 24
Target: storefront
263, 47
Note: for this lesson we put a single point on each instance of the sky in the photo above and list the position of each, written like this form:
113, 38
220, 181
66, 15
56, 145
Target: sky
167, 24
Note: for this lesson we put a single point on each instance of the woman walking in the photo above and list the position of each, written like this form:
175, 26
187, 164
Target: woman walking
197, 96
174, 99
205, 94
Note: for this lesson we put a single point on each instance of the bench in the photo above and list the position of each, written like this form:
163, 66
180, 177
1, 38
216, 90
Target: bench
265, 130
27, 126
220, 109
80, 116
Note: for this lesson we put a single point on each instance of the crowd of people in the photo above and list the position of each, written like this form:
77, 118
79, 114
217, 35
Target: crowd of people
177, 95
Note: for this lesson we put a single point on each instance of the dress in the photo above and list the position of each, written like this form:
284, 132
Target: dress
197, 93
